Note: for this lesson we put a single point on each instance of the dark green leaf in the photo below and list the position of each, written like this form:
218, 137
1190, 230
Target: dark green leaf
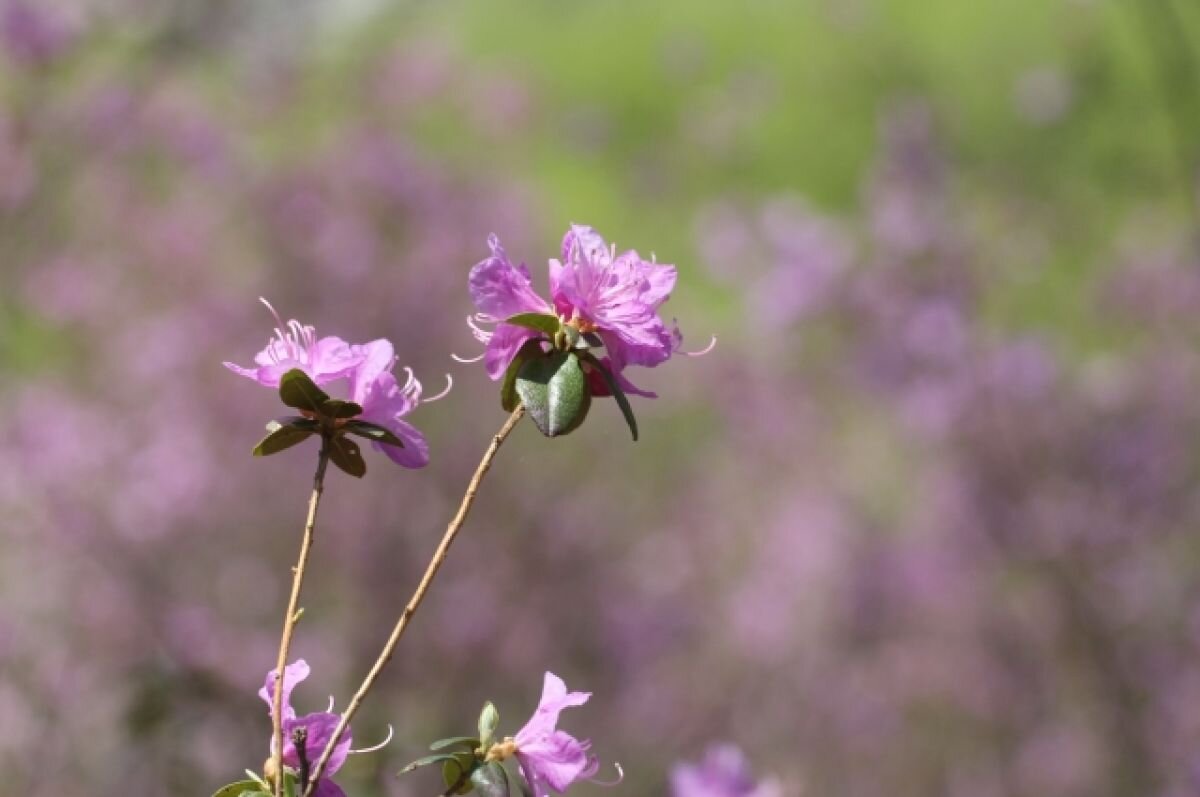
456, 773
289, 785
554, 390
337, 408
470, 742
542, 322
425, 761
283, 437
297, 390
615, 389
373, 431
593, 339
489, 718
345, 453
238, 788
508, 388
258, 793
297, 421
491, 780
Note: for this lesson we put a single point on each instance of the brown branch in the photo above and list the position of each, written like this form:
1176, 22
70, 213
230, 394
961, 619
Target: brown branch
435, 564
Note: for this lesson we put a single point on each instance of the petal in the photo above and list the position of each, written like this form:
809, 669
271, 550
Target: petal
583, 242
332, 358
327, 788
648, 351
555, 698
600, 388
415, 453
320, 727
560, 759
503, 347
660, 281
375, 358
249, 373
293, 674
500, 289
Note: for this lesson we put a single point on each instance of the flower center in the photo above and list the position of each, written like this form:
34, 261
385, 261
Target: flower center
502, 750
582, 325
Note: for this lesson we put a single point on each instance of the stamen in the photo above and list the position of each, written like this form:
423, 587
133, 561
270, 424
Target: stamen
712, 345
620, 777
279, 327
329, 708
408, 384
379, 746
444, 393
456, 358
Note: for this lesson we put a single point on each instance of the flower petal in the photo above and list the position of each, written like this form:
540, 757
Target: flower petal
559, 759
555, 698
506, 341
319, 727
500, 289
415, 453
293, 674
376, 358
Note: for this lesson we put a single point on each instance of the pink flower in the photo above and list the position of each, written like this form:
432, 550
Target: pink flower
614, 297
724, 772
373, 387
296, 345
316, 729
550, 758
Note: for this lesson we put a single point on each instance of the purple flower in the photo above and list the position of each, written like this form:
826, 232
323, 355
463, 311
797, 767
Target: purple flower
368, 367
724, 772
296, 345
317, 730
550, 758
373, 386
593, 289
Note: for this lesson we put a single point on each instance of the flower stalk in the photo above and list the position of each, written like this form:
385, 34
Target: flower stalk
293, 614
431, 570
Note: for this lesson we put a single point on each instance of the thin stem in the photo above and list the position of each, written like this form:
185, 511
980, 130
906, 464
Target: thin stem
289, 619
435, 564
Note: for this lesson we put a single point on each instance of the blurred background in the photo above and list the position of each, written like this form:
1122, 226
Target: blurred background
924, 523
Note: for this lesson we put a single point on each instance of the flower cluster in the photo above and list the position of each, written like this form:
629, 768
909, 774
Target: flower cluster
381, 401
598, 298
723, 772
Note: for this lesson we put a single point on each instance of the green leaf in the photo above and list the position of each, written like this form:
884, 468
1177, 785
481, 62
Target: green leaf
555, 391
456, 773
337, 408
470, 742
297, 390
425, 761
238, 788
508, 388
346, 454
615, 389
283, 437
289, 785
542, 322
489, 718
491, 780
373, 431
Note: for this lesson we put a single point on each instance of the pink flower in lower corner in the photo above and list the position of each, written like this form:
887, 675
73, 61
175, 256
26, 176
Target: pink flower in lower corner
724, 772
551, 758
317, 729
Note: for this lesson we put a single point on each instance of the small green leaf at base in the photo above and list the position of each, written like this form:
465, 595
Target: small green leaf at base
614, 388
425, 761
239, 788
337, 408
283, 435
297, 390
555, 392
469, 742
346, 454
491, 780
373, 432
457, 771
542, 322
508, 388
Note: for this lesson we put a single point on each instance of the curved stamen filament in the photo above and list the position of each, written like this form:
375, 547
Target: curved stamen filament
467, 360
444, 393
620, 777
379, 746
711, 345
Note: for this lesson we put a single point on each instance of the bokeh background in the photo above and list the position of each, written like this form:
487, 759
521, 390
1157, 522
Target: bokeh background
924, 523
